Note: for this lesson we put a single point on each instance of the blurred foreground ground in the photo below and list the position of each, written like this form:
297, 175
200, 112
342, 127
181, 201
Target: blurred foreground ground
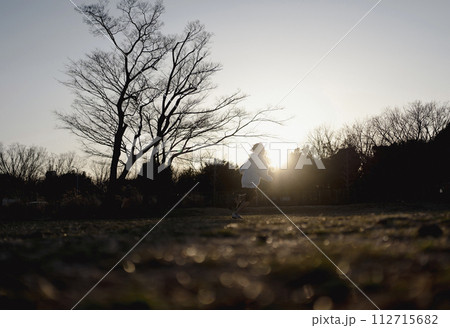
201, 258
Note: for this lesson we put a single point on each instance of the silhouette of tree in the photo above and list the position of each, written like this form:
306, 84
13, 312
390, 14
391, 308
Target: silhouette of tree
23, 162
100, 172
361, 135
325, 141
397, 154
148, 96
64, 163
416, 122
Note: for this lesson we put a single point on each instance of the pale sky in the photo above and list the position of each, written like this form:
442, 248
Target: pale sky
399, 53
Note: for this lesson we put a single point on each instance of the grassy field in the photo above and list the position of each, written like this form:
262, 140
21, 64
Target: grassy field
201, 258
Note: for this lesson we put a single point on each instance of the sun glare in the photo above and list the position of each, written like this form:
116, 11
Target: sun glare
276, 159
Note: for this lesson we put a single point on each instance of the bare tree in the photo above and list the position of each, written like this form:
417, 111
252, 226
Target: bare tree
20, 161
100, 172
425, 120
105, 84
415, 122
324, 141
390, 126
149, 95
362, 136
64, 163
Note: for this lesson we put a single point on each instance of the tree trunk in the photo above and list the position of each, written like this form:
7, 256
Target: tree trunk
115, 158
124, 174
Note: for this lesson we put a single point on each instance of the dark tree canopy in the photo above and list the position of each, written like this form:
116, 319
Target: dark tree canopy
418, 121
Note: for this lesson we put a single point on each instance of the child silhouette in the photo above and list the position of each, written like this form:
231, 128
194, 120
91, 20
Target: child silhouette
253, 170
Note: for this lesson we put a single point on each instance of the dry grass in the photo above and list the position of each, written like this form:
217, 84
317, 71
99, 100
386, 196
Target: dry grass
204, 259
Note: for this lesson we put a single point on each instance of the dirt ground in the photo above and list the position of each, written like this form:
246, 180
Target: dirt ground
398, 254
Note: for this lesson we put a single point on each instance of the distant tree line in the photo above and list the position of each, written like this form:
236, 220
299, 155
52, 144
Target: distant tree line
418, 121
399, 155
402, 154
